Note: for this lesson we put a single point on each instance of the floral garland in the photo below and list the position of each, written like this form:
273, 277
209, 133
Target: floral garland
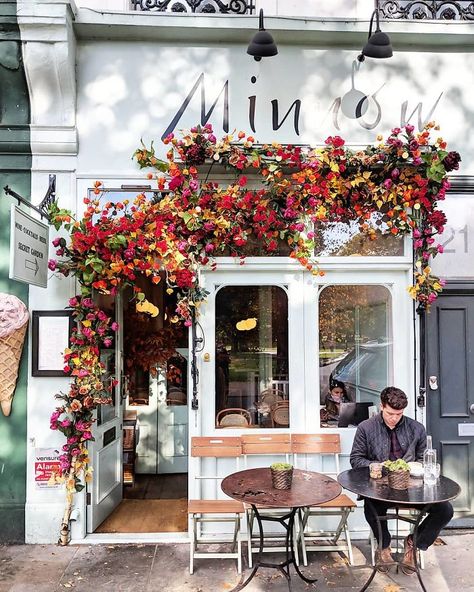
401, 180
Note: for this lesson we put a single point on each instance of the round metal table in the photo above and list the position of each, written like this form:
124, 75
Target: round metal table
418, 496
254, 487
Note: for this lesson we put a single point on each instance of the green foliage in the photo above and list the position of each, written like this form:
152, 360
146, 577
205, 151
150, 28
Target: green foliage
281, 466
396, 465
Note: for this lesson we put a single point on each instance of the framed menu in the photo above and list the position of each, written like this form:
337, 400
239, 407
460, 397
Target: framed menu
51, 332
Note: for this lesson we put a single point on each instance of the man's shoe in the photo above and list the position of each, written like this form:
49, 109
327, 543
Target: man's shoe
408, 567
383, 560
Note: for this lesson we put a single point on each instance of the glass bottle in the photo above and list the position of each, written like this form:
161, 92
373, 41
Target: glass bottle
429, 455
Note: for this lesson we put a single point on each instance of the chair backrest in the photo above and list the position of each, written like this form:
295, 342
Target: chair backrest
216, 447
321, 444
271, 396
206, 467
280, 414
265, 444
233, 417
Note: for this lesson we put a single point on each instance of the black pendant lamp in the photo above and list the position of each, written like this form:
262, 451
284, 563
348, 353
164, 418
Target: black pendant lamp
378, 44
262, 44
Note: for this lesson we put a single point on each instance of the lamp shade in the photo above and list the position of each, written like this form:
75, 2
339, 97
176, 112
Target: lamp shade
262, 44
378, 46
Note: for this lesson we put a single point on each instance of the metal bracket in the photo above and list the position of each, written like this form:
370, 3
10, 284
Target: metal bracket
44, 205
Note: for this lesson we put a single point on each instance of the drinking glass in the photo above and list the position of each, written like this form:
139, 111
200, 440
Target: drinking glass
375, 470
431, 473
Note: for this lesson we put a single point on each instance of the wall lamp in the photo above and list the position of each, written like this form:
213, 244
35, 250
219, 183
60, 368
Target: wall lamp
262, 44
378, 44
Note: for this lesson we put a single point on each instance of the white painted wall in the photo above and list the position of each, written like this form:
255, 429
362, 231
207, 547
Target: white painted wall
129, 91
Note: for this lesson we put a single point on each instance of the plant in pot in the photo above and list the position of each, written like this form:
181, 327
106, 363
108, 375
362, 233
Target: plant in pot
398, 473
282, 475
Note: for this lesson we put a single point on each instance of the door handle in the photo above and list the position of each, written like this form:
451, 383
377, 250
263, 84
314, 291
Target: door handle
471, 408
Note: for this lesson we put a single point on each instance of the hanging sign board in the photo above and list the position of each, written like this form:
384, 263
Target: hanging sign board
29, 243
46, 464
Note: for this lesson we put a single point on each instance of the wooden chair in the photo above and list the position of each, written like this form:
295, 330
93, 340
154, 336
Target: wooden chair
208, 451
328, 448
233, 417
280, 414
254, 445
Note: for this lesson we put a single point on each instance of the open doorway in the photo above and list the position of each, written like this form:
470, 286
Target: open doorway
155, 418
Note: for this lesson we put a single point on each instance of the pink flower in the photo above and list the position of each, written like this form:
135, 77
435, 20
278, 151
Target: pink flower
52, 265
86, 435
107, 342
65, 423
440, 248
114, 326
73, 301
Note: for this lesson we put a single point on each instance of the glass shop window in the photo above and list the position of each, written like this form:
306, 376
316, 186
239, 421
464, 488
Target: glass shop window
355, 352
251, 369
344, 239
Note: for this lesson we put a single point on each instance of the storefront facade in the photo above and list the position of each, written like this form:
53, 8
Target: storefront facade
101, 81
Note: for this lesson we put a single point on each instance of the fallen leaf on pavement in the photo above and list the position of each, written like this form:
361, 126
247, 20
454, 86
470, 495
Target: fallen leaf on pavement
391, 588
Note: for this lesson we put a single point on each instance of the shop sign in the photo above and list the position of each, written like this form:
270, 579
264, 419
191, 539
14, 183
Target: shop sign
29, 243
47, 463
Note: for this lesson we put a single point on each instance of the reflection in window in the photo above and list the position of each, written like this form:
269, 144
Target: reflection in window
355, 351
251, 369
345, 239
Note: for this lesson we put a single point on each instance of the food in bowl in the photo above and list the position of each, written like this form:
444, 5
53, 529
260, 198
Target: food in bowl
416, 469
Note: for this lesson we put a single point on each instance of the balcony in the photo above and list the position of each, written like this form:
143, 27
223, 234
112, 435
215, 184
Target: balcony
433, 10
444, 10
196, 6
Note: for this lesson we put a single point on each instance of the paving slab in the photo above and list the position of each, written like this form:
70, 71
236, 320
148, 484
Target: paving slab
38, 568
165, 568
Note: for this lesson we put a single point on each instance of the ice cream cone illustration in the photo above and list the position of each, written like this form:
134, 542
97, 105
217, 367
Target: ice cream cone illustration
13, 326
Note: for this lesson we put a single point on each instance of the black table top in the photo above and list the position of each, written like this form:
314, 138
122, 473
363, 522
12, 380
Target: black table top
254, 486
359, 481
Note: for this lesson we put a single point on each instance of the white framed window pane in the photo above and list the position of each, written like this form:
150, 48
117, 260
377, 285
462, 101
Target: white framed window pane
251, 370
355, 346
344, 239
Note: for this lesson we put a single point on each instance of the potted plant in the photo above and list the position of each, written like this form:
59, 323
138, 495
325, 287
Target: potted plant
398, 473
282, 475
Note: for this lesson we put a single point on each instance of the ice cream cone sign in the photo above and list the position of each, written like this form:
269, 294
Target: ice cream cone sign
13, 324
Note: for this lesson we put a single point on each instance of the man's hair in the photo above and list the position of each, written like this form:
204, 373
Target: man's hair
394, 397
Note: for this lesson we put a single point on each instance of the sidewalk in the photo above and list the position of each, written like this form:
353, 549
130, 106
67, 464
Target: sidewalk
164, 568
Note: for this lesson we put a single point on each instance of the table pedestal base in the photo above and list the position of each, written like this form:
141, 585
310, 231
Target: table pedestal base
288, 522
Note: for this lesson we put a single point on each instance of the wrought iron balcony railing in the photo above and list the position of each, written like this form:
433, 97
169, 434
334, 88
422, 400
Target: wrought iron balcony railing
427, 9
197, 6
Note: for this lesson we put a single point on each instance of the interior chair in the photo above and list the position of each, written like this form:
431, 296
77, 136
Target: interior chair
323, 450
267, 400
233, 417
254, 446
407, 516
280, 415
176, 396
207, 455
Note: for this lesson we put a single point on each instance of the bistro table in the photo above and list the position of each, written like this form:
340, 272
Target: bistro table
254, 487
418, 496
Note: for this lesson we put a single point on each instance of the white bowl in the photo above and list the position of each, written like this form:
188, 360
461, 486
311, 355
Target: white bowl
416, 469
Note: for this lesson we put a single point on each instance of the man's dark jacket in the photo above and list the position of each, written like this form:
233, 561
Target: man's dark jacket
372, 441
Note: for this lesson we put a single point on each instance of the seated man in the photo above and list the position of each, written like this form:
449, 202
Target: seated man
387, 436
